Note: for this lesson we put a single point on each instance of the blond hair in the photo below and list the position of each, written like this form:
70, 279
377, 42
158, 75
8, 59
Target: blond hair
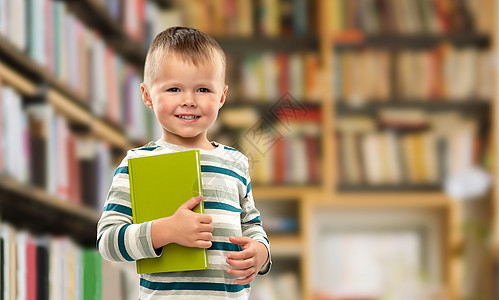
190, 44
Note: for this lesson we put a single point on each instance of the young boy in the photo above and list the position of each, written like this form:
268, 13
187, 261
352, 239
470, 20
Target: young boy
184, 84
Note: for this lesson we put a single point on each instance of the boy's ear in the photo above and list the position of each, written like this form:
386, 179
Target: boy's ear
146, 97
224, 96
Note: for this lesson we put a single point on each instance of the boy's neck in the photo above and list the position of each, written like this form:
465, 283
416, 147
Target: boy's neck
193, 143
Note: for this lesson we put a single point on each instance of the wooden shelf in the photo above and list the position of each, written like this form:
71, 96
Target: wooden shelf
395, 199
387, 189
15, 59
68, 107
245, 45
277, 193
475, 106
286, 245
95, 15
97, 126
33, 207
264, 105
415, 41
17, 81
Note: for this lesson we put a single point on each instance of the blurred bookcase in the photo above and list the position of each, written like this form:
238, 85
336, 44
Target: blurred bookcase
401, 98
70, 109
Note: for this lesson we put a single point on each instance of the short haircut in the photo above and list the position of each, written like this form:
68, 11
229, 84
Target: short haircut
190, 44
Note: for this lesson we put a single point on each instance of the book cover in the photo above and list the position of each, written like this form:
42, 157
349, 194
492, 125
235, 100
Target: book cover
92, 274
159, 184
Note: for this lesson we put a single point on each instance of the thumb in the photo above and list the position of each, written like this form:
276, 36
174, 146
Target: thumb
191, 203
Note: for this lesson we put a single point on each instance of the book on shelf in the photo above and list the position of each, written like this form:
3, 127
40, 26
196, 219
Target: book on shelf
159, 184
9, 258
285, 153
163, 18
269, 76
442, 72
424, 154
409, 17
39, 148
42, 267
133, 18
276, 225
92, 274
77, 57
245, 18
14, 136
13, 25
55, 267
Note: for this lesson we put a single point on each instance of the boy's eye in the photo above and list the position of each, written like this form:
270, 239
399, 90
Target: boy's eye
203, 90
173, 90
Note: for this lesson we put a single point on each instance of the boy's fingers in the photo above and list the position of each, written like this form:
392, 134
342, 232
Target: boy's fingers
203, 244
191, 203
239, 255
239, 264
205, 219
239, 273
205, 236
206, 228
239, 240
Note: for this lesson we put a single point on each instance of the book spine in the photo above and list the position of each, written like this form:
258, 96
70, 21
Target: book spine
130, 163
200, 184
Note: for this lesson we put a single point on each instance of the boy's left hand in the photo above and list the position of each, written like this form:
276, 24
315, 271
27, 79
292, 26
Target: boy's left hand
248, 262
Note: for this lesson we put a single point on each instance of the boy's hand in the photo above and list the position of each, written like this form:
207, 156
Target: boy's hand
185, 227
246, 263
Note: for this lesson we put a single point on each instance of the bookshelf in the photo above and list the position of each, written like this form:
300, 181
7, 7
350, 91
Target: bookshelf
66, 123
494, 206
495, 125
382, 32
434, 211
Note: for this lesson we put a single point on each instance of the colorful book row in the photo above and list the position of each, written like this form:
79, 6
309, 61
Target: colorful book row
58, 41
409, 16
269, 76
442, 145
55, 267
39, 148
245, 18
284, 153
444, 72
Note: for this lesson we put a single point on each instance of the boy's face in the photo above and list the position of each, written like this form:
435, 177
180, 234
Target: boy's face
186, 99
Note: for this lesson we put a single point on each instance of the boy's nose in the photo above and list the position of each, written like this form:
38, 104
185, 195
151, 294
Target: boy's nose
189, 101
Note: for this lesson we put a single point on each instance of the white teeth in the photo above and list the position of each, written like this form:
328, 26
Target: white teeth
188, 117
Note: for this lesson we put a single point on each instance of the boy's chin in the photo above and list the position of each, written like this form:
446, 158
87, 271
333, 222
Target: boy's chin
185, 136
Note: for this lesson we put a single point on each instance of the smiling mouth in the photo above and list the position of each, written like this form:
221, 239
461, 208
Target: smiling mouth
187, 117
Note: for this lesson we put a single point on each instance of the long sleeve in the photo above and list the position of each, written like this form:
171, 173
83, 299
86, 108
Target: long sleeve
117, 238
252, 225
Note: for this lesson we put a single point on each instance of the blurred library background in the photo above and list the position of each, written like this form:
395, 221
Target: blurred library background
370, 125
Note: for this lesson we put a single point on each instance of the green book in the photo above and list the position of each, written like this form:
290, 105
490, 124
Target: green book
92, 274
159, 184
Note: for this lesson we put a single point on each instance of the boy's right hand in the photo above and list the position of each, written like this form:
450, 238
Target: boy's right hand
185, 227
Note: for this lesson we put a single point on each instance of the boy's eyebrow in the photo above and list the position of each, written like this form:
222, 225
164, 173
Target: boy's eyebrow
165, 83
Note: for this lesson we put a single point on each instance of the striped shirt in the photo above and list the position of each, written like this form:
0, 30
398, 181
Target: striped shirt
227, 198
